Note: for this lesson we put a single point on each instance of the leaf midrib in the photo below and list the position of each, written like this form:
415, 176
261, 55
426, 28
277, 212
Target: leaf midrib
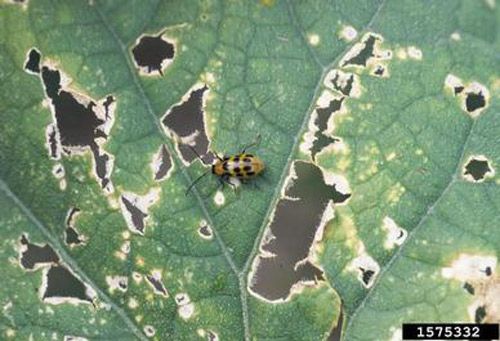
240, 274
69, 260
453, 178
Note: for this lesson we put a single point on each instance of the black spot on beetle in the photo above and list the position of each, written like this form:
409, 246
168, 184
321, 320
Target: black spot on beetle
469, 288
247, 168
152, 51
477, 169
237, 169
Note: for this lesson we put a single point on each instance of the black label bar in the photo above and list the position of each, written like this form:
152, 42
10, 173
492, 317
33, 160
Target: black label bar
450, 331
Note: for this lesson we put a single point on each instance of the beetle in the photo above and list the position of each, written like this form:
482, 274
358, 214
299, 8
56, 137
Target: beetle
241, 166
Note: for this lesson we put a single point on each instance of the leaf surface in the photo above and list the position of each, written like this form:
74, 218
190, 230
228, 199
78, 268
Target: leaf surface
399, 143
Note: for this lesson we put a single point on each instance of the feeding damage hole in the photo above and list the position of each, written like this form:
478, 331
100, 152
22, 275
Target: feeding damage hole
205, 231
345, 83
135, 209
33, 256
366, 268
336, 332
152, 54
479, 279
185, 306
117, 283
362, 53
284, 263
320, 132
208, 335
162, 164
73, 238
185, 123
80, 124
59, 284
478, 168
395, 234
154, 280
474, 97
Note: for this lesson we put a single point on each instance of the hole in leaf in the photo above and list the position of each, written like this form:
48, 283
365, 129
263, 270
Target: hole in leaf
299, 220
79, 123
336, 332
137, 216
72, 236
361, 58
155, 281
477, 168
33, 255
367, 275
135, 209
186, 121
153, 53
474, 101
61, 285
322, 136
162, 164
33, 61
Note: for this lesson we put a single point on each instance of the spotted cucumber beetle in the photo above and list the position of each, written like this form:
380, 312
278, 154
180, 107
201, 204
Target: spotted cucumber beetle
241, 166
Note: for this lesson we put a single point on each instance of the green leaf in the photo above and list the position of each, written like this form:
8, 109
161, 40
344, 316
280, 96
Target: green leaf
412, 137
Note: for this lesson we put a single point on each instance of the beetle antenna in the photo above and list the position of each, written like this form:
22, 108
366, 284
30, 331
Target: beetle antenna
196, 181
254, 143
196, 153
